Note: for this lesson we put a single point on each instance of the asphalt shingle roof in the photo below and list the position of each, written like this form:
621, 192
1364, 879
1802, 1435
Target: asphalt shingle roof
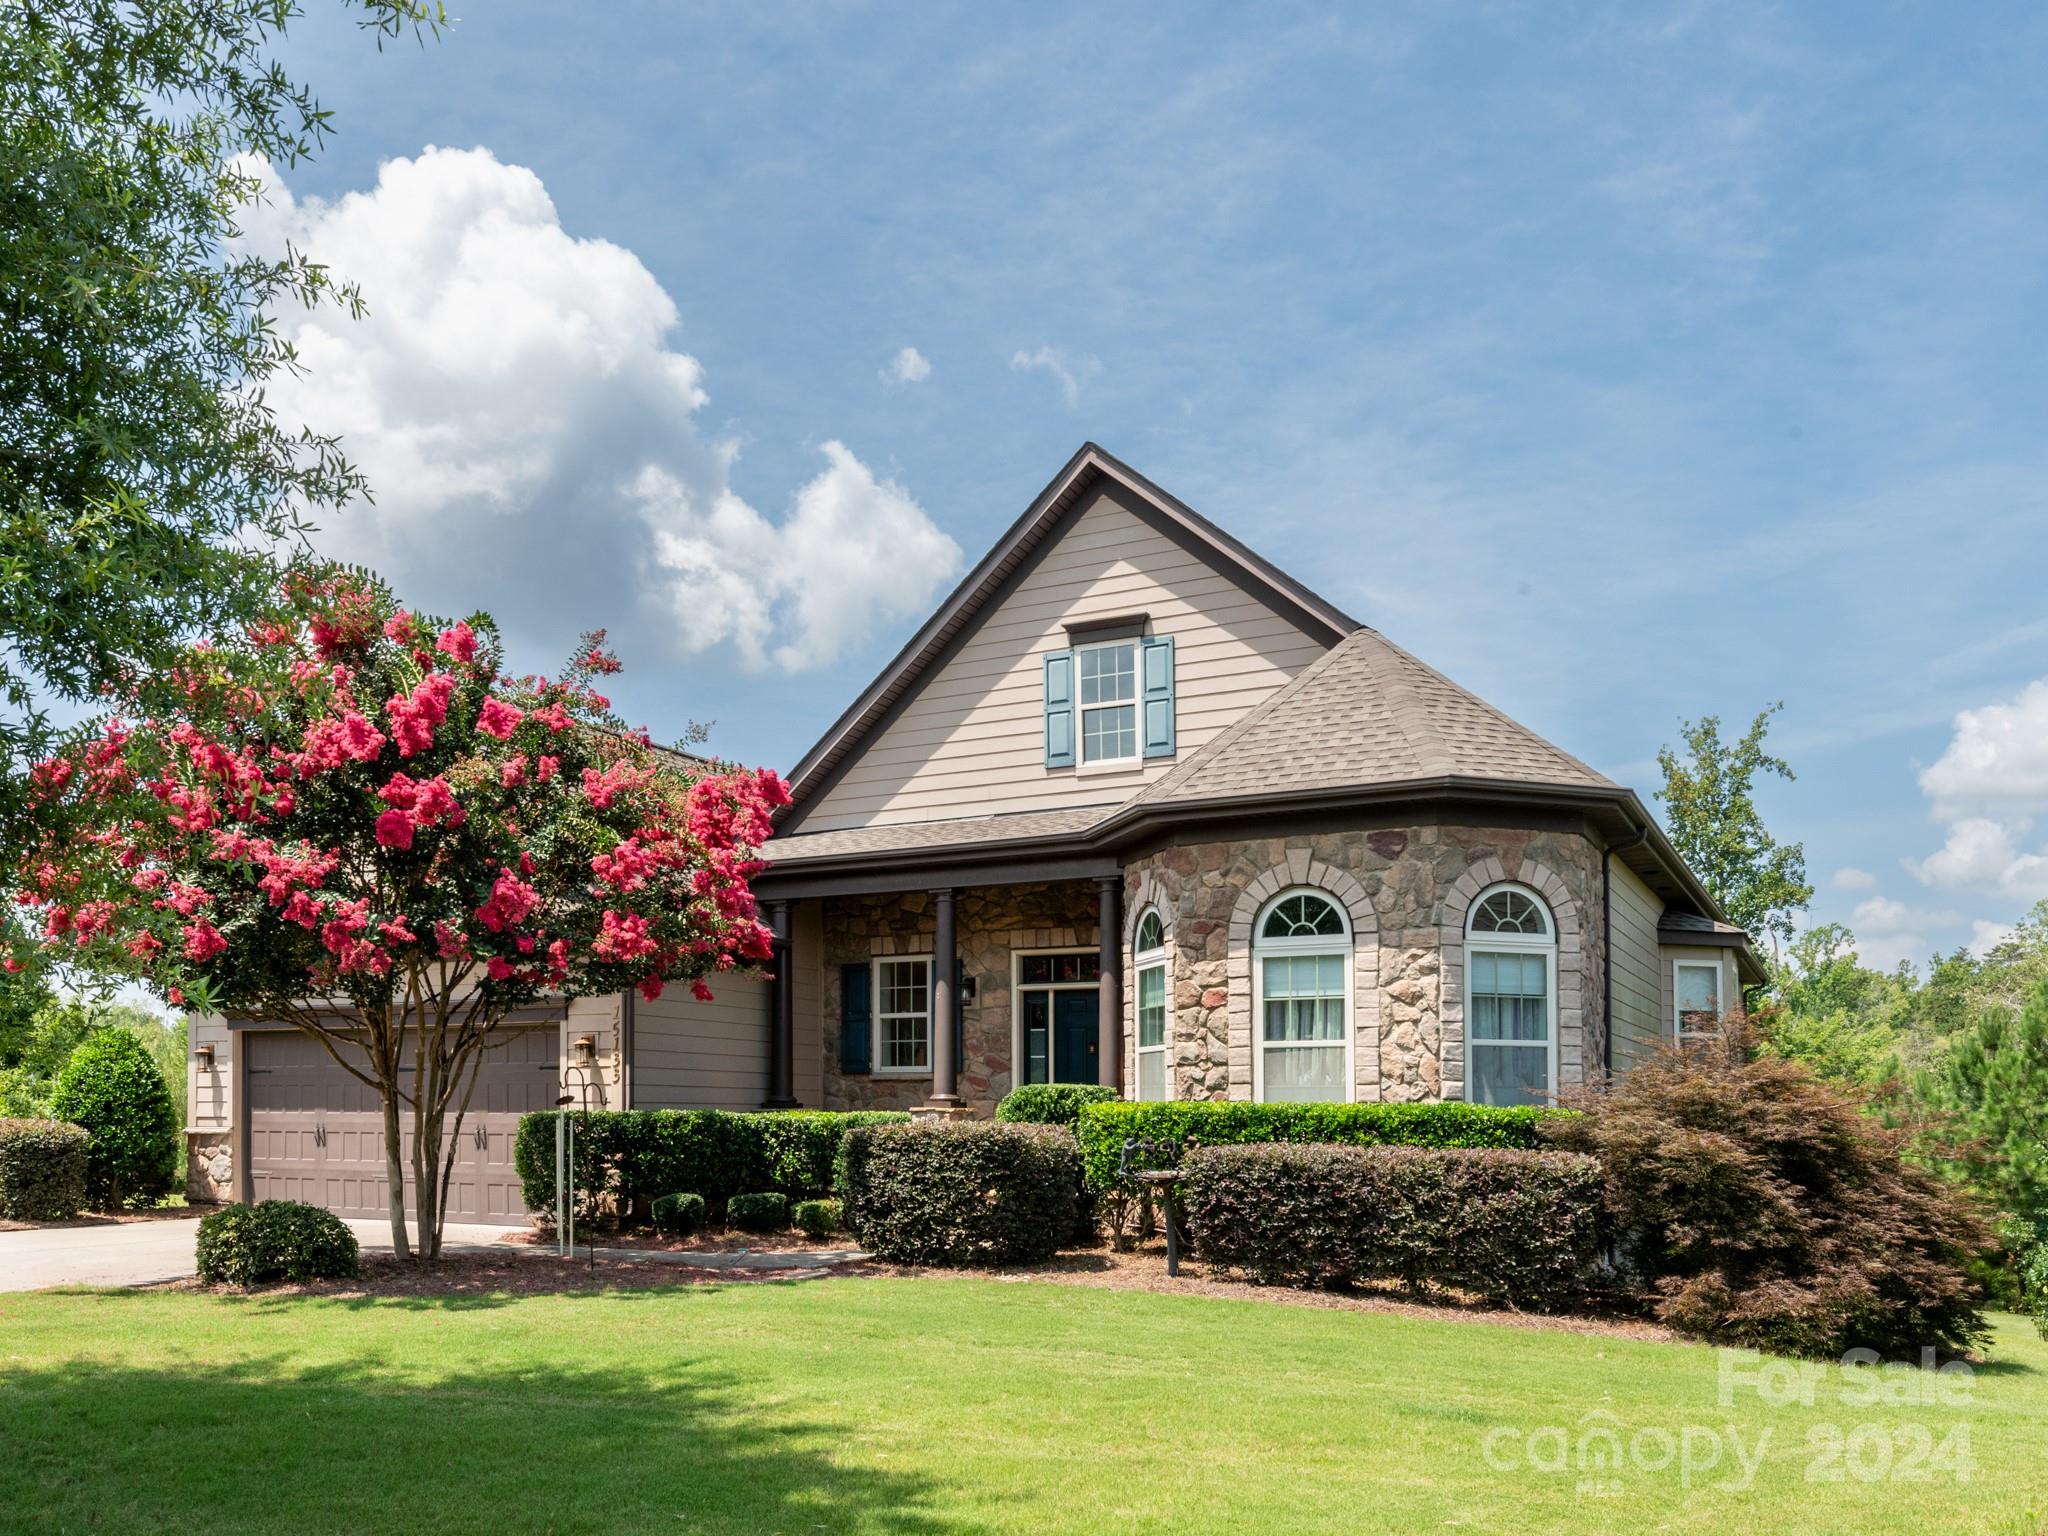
1368, 713
962, 832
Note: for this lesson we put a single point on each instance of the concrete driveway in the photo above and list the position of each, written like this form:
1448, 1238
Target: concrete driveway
149, 1252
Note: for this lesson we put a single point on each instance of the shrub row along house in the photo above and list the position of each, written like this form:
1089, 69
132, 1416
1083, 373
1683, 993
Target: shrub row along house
1133, 807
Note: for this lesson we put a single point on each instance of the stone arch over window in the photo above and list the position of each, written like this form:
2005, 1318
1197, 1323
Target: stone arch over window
1148, 894
1302, 869
1564, 914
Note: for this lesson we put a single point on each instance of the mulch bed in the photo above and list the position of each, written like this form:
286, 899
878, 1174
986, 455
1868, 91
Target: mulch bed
484, 1274
110, 1218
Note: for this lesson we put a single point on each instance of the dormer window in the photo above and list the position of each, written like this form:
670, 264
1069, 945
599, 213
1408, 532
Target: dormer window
1109, 701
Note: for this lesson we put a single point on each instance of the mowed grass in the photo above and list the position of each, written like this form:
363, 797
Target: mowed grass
946, 1406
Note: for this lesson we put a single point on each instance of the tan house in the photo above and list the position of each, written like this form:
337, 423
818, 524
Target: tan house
1132, 807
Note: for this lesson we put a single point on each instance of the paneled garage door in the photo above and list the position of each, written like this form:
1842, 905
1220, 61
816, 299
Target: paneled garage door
317, 1135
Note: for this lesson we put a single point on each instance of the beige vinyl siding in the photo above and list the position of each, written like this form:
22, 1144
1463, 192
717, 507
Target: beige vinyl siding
208, 1089
807, 1006
692, 1055
1731, 994
1639, 1027
971, 741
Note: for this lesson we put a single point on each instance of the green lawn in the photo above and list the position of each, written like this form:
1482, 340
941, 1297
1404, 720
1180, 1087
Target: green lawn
937, 1406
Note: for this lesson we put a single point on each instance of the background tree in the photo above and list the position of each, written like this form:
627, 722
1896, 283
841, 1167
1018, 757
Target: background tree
354, 824
142, 475
113, 1089
1710, 812
1851, 1025
1993, 1077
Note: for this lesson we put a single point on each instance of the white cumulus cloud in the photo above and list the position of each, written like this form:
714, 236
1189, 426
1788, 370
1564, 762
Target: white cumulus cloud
1987, 791
529, 428
908, 366
1852, 879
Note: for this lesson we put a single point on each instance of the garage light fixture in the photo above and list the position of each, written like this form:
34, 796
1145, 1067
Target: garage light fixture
585, 1047
204, 1056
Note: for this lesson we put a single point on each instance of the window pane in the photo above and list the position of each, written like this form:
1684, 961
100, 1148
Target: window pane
1510, 1074
1302, 914
1304, 1074
1151, 933
1037, 1068
1510, 912
1108, 734
1152, 1005
1509, 997
903, 1043
1699, 989
1109, 674
1152, 1076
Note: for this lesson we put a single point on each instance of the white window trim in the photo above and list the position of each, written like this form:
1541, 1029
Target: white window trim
875, 1067
1142, 962
1018, 986
1303, 944
1678, 1029
1135, 704
1544, 944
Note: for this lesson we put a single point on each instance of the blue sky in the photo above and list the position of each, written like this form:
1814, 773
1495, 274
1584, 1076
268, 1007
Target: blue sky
1628, 364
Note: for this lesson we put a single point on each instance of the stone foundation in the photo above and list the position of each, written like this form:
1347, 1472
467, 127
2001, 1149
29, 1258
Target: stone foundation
209, 1166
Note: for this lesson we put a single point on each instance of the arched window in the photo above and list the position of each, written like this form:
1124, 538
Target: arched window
1510, 998
1149, 957
1301, 983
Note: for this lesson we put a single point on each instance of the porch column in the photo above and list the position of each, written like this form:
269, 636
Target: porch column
1109, 1035
781, 1011
945, 1061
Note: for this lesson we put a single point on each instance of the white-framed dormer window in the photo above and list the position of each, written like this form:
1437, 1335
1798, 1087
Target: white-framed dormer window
1510, 998
1108, 677
1148, 956
903, 1015
1695, 998
1301, 998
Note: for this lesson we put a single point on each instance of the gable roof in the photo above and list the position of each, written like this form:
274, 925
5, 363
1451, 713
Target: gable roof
1088, 470
1368, 713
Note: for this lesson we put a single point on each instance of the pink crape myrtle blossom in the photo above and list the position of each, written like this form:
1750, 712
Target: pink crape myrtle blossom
287, 846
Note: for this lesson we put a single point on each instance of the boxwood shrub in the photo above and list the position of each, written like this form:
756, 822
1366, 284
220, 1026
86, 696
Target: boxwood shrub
763, 1211
42, 1170
274, 1240
113, 1087
815, 1218
966, 1192
1518, 1228
679, 1215
1052, 1103
1103, 1128
628, 1159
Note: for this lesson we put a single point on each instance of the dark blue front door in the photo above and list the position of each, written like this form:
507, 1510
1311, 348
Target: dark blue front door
1074, 1016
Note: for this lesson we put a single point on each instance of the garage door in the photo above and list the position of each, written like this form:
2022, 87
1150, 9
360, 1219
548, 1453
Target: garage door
317, 1134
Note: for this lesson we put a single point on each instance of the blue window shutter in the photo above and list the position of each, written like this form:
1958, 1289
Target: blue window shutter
959, 1016
1059, 709
856, 1028
1158, 678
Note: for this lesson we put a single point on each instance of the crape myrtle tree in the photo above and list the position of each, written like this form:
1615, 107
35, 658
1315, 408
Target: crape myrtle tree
354, 823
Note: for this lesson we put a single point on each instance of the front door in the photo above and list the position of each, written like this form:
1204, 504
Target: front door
1074, 1019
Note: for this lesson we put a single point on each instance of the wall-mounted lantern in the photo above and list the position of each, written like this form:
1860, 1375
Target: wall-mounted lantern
203, 1054
584, 1049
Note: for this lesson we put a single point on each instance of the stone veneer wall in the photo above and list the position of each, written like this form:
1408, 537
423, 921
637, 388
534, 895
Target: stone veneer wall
1407, 890
990, 923
209, 1166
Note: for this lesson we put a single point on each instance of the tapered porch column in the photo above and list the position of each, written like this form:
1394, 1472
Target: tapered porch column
1109, 1036
781, 1011
945, 1060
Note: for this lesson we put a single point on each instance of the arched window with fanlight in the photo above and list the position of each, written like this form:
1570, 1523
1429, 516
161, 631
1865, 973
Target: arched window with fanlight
1301, 983
1148, 955
1510, 998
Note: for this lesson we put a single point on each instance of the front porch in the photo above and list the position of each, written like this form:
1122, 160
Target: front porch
945, 997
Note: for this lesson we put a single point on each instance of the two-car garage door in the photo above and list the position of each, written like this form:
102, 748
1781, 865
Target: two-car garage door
316, 1133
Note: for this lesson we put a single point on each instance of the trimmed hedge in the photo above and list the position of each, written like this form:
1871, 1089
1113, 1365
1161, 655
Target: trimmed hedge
679, 1215
274, 1240
764, 1211
1518, 1228
635, 1156
968, 1192
1052, 1103
815, 1218
1103, 1128
42, 1170
113, 1087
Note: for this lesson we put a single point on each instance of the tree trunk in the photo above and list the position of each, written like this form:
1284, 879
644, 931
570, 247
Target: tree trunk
394, 1171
